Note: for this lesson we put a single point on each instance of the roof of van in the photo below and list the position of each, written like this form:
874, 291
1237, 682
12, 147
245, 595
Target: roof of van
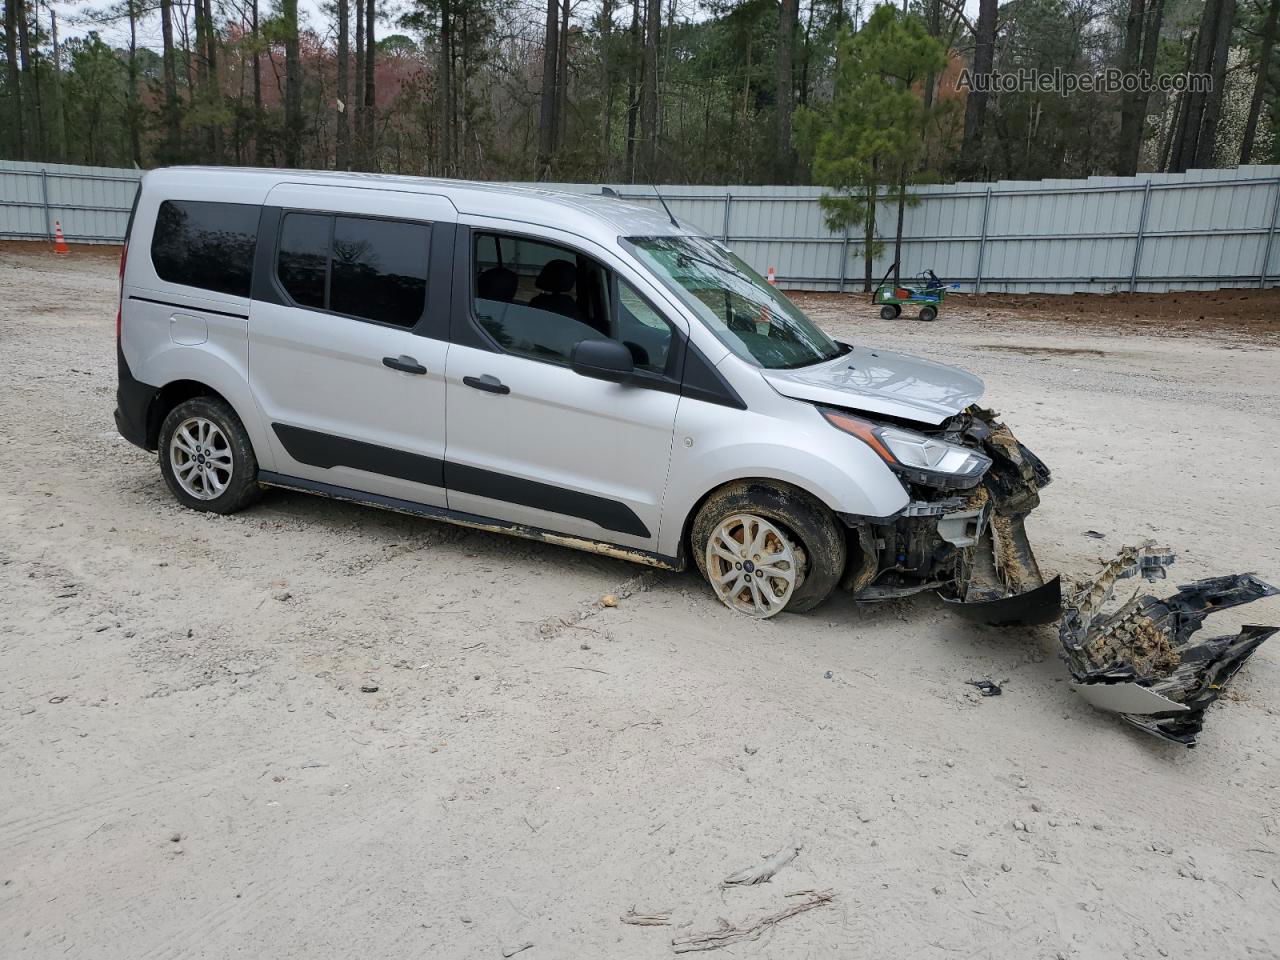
574, 212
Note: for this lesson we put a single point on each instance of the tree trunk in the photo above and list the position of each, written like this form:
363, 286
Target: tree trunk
548, 122
214, 85
868, 236
902, 210
343, 118
134, 104
975, 106
16, 106
1172, 149
1188, 143
606, 84
446, 88
172, 109
649, 92
31, 81
562, 76
784, 90
633, 91
1130, 123
1260, 84
358, 111
370, 91
292, 85
257, 88
1206, 147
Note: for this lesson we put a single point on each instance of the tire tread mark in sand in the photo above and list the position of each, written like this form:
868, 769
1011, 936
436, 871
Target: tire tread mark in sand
15, 831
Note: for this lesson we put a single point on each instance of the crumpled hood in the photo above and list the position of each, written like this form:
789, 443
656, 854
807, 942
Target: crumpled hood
881, 381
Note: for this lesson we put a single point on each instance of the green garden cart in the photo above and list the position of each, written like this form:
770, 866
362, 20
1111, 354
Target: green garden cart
927, 291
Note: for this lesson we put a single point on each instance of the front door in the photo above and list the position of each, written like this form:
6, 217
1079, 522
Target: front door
348, 338
534, 443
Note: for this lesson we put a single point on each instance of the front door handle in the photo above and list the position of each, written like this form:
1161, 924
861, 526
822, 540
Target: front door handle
407, 364
488, 383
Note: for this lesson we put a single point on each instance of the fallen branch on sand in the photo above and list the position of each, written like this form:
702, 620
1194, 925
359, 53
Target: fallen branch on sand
728, 934
653, 918
765, 870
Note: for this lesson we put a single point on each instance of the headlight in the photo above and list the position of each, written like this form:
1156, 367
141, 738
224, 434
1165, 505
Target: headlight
920, 459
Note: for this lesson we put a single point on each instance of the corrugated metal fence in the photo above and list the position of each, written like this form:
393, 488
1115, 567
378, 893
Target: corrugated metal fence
1199, 230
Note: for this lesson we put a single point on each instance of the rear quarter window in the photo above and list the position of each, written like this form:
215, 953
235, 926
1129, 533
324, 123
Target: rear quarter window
207, 245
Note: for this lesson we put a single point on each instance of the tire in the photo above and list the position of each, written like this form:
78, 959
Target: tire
928, 314
816, 540
897, 311
888, 312
206, 457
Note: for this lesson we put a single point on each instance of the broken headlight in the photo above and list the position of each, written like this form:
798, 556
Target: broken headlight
914, 456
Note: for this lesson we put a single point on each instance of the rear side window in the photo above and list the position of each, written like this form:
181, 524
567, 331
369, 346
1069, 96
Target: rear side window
206, 245
356, 266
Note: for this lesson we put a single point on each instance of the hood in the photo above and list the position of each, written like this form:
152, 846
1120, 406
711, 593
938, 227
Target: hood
880, 381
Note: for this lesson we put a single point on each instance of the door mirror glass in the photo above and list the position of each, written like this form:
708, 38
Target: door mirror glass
602, 360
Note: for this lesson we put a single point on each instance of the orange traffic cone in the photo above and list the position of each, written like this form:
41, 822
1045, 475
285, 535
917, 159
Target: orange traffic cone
59, 241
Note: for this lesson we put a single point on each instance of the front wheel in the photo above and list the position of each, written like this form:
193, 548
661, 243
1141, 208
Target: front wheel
928, 314
888, 312
766, 548
206, 457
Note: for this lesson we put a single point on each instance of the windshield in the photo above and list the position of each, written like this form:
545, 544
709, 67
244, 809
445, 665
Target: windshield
753, 319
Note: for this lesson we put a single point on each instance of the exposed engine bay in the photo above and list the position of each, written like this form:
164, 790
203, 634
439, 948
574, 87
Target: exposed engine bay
1135, 658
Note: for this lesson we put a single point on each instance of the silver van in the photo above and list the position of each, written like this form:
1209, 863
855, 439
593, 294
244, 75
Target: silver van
567, 368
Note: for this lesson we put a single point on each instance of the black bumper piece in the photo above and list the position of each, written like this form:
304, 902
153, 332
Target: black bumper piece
133, 405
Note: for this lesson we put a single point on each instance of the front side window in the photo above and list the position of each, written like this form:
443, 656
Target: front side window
356, 266
208, 245
751, 318
540, 299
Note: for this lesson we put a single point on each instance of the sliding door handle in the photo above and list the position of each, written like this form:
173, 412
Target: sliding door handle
403, 363
488, 383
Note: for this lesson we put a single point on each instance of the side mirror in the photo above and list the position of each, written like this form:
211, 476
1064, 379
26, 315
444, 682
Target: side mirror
602, 360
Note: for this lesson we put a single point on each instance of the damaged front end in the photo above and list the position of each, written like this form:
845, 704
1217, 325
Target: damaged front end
964, 535
1136, 658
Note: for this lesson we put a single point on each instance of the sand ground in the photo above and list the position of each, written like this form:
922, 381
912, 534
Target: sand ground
189, 766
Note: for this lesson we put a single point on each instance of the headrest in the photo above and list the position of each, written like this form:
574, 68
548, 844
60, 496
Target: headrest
558, 276
497, 283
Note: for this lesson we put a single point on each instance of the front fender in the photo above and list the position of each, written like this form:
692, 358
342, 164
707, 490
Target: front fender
711, 449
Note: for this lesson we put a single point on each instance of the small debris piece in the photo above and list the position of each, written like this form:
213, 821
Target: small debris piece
58, 699
512, 951
649, 918
727, 935
750, 751
1095, 535
765, 870
986, 687
368, 688
608, 600
827, 675
175, 838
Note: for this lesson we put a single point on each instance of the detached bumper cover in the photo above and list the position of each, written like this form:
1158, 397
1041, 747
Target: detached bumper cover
1140, 661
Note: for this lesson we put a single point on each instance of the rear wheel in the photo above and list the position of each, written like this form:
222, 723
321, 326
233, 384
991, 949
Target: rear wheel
928, 314
206, 457
888, 312
765, 549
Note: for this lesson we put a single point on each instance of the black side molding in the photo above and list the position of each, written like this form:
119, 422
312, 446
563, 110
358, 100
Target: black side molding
609, 514
326, 451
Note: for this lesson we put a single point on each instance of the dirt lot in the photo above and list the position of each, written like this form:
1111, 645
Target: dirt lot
189, 766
